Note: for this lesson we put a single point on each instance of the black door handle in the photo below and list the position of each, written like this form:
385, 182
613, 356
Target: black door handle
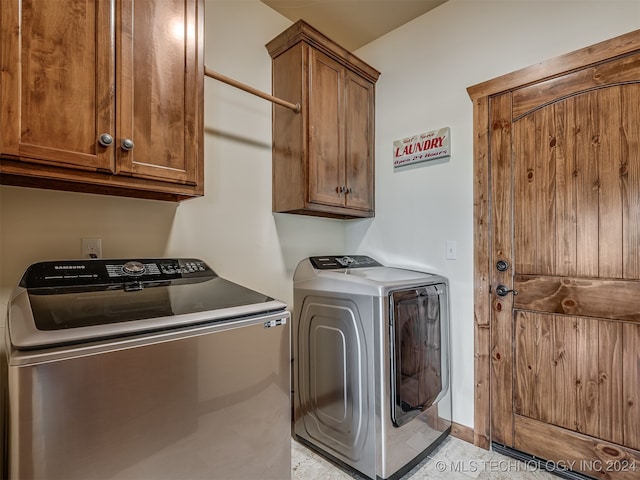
503, 290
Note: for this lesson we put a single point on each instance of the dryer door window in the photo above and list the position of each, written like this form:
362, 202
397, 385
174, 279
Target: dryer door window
416, 351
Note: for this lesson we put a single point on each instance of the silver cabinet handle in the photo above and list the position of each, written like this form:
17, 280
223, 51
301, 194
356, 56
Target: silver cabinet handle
105, 140
127, 144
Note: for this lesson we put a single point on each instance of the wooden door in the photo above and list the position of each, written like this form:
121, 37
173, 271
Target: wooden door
57, 83
326, 130
360, 134
159, 89
565, 209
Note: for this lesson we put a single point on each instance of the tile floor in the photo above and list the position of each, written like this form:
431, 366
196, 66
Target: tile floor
454, 459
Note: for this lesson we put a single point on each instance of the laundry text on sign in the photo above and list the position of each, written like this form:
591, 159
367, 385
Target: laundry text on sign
422, 147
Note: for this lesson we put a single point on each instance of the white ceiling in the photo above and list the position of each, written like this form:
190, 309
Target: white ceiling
353, 23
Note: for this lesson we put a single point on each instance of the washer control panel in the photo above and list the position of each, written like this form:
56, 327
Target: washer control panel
334, 262
166, 268
101, 272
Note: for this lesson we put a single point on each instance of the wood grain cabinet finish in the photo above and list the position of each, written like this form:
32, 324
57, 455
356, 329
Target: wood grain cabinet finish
323, 157
102, 96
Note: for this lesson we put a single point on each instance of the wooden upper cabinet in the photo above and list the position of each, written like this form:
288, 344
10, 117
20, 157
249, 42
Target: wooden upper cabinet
78, 75
57, 82
323, 157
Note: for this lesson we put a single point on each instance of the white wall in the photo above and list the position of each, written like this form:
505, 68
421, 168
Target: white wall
426, 67
232, 225
38, 225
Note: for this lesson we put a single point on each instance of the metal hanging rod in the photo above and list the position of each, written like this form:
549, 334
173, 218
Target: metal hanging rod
234, 83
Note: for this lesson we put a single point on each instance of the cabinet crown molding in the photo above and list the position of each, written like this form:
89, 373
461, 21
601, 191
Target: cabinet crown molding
301, 31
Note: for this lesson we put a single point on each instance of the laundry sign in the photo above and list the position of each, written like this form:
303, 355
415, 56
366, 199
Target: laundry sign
422, 147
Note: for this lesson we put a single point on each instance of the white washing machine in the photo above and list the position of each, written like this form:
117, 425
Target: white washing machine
370, 363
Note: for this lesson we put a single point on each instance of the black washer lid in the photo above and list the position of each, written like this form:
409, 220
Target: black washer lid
83, 300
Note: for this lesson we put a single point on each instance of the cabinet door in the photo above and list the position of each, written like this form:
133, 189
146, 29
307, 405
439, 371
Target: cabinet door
359, 117
57, 83
326, 130
159, 89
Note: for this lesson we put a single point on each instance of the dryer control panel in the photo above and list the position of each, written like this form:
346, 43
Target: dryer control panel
333, 262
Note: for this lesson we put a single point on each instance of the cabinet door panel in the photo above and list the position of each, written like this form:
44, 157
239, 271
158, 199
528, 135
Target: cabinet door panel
326, 137
157, 107
53, 108
359, 97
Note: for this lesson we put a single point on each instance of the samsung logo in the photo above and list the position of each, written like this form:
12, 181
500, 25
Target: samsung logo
69, 267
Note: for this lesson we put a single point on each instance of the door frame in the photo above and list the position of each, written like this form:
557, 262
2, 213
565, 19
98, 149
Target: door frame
483, 298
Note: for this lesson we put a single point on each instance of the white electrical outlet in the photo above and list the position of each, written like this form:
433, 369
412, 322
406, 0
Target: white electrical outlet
91, 248
451, 250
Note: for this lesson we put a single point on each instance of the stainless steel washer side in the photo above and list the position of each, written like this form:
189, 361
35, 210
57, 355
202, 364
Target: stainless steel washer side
203, 402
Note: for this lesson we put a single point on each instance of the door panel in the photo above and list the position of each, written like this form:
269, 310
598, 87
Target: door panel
586, 188
359, 142
564, 362
607, 143
630, 179
576, 176
157, 109
610, 299
565, 203
60, 47
326, 155
587, 371
566, 197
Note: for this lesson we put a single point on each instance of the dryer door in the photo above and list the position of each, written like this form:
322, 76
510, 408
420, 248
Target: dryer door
418, 350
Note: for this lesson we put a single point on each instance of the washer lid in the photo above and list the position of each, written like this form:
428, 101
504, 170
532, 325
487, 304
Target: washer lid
70, 302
